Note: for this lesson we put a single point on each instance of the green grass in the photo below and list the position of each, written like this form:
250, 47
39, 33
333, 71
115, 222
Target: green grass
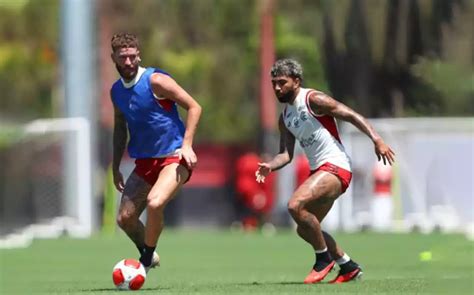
213, 262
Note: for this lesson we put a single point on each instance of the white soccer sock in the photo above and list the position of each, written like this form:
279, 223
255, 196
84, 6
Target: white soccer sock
344, 259
321, 251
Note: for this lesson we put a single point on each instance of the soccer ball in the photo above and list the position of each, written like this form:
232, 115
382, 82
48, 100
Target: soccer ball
129, 274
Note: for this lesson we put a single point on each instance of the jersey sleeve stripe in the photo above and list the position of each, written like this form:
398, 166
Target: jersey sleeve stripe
328, 122
311, 91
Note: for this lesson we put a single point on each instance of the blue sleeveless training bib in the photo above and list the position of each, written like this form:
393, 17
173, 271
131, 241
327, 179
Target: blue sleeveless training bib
155, 128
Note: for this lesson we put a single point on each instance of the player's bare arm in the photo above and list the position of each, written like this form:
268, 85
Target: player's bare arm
165, 86
119, 144
322, 104
285, 155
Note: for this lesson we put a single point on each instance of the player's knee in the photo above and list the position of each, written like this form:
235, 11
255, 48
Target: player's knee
155, 203
125, 220
294, 207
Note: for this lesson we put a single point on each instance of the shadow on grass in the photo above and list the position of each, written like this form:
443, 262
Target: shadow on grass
115, 289
269, 283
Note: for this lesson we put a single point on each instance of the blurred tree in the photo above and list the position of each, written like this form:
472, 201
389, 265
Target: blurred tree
396, 79
298, 36
28, 58
210, 49
450, 72
382, 57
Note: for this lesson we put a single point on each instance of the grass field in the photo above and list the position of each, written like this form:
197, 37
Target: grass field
214, 262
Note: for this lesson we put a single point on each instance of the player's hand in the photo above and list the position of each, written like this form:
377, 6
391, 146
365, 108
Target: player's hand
118, 180
384, 152
262, 172
189, 156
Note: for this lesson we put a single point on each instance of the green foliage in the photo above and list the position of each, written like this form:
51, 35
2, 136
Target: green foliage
303, 46
9, 135
214, 58
454, 82
28, 58
451, 75
212, 49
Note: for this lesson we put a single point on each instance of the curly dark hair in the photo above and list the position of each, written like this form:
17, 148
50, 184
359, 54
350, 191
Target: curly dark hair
124, 40
287, 67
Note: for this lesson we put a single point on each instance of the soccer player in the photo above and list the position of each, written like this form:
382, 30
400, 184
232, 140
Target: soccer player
309, 117
145, 100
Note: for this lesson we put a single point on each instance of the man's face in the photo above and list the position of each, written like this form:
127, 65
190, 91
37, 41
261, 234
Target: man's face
285, 88
126, 61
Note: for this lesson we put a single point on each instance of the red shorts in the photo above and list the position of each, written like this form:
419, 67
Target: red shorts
341, 173
150, 168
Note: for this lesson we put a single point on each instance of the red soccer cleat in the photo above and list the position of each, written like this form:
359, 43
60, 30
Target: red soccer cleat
347, 277
317, 276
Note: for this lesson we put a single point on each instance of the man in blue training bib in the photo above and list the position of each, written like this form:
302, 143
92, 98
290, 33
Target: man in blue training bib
145, 100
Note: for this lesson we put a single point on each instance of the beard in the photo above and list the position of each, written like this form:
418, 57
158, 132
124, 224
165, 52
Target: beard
286, 97
127, 72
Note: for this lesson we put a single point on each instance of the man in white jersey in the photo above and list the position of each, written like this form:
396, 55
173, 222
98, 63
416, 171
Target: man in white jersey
309, 117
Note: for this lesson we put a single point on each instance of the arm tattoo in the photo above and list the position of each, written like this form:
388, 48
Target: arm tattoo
324, 104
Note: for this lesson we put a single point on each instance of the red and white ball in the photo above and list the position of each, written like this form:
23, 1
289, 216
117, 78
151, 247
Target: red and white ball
129, 274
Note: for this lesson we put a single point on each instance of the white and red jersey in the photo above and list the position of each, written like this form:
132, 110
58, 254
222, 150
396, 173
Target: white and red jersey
317, 134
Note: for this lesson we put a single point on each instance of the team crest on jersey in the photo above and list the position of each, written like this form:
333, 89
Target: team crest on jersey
304, 116
296, 122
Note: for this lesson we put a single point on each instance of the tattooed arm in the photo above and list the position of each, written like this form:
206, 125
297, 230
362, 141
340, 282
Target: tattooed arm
119, 144
322, 104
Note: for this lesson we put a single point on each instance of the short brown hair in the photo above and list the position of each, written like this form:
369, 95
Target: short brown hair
124, 40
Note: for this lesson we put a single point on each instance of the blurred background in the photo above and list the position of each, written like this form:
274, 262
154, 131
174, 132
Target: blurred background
407, 65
